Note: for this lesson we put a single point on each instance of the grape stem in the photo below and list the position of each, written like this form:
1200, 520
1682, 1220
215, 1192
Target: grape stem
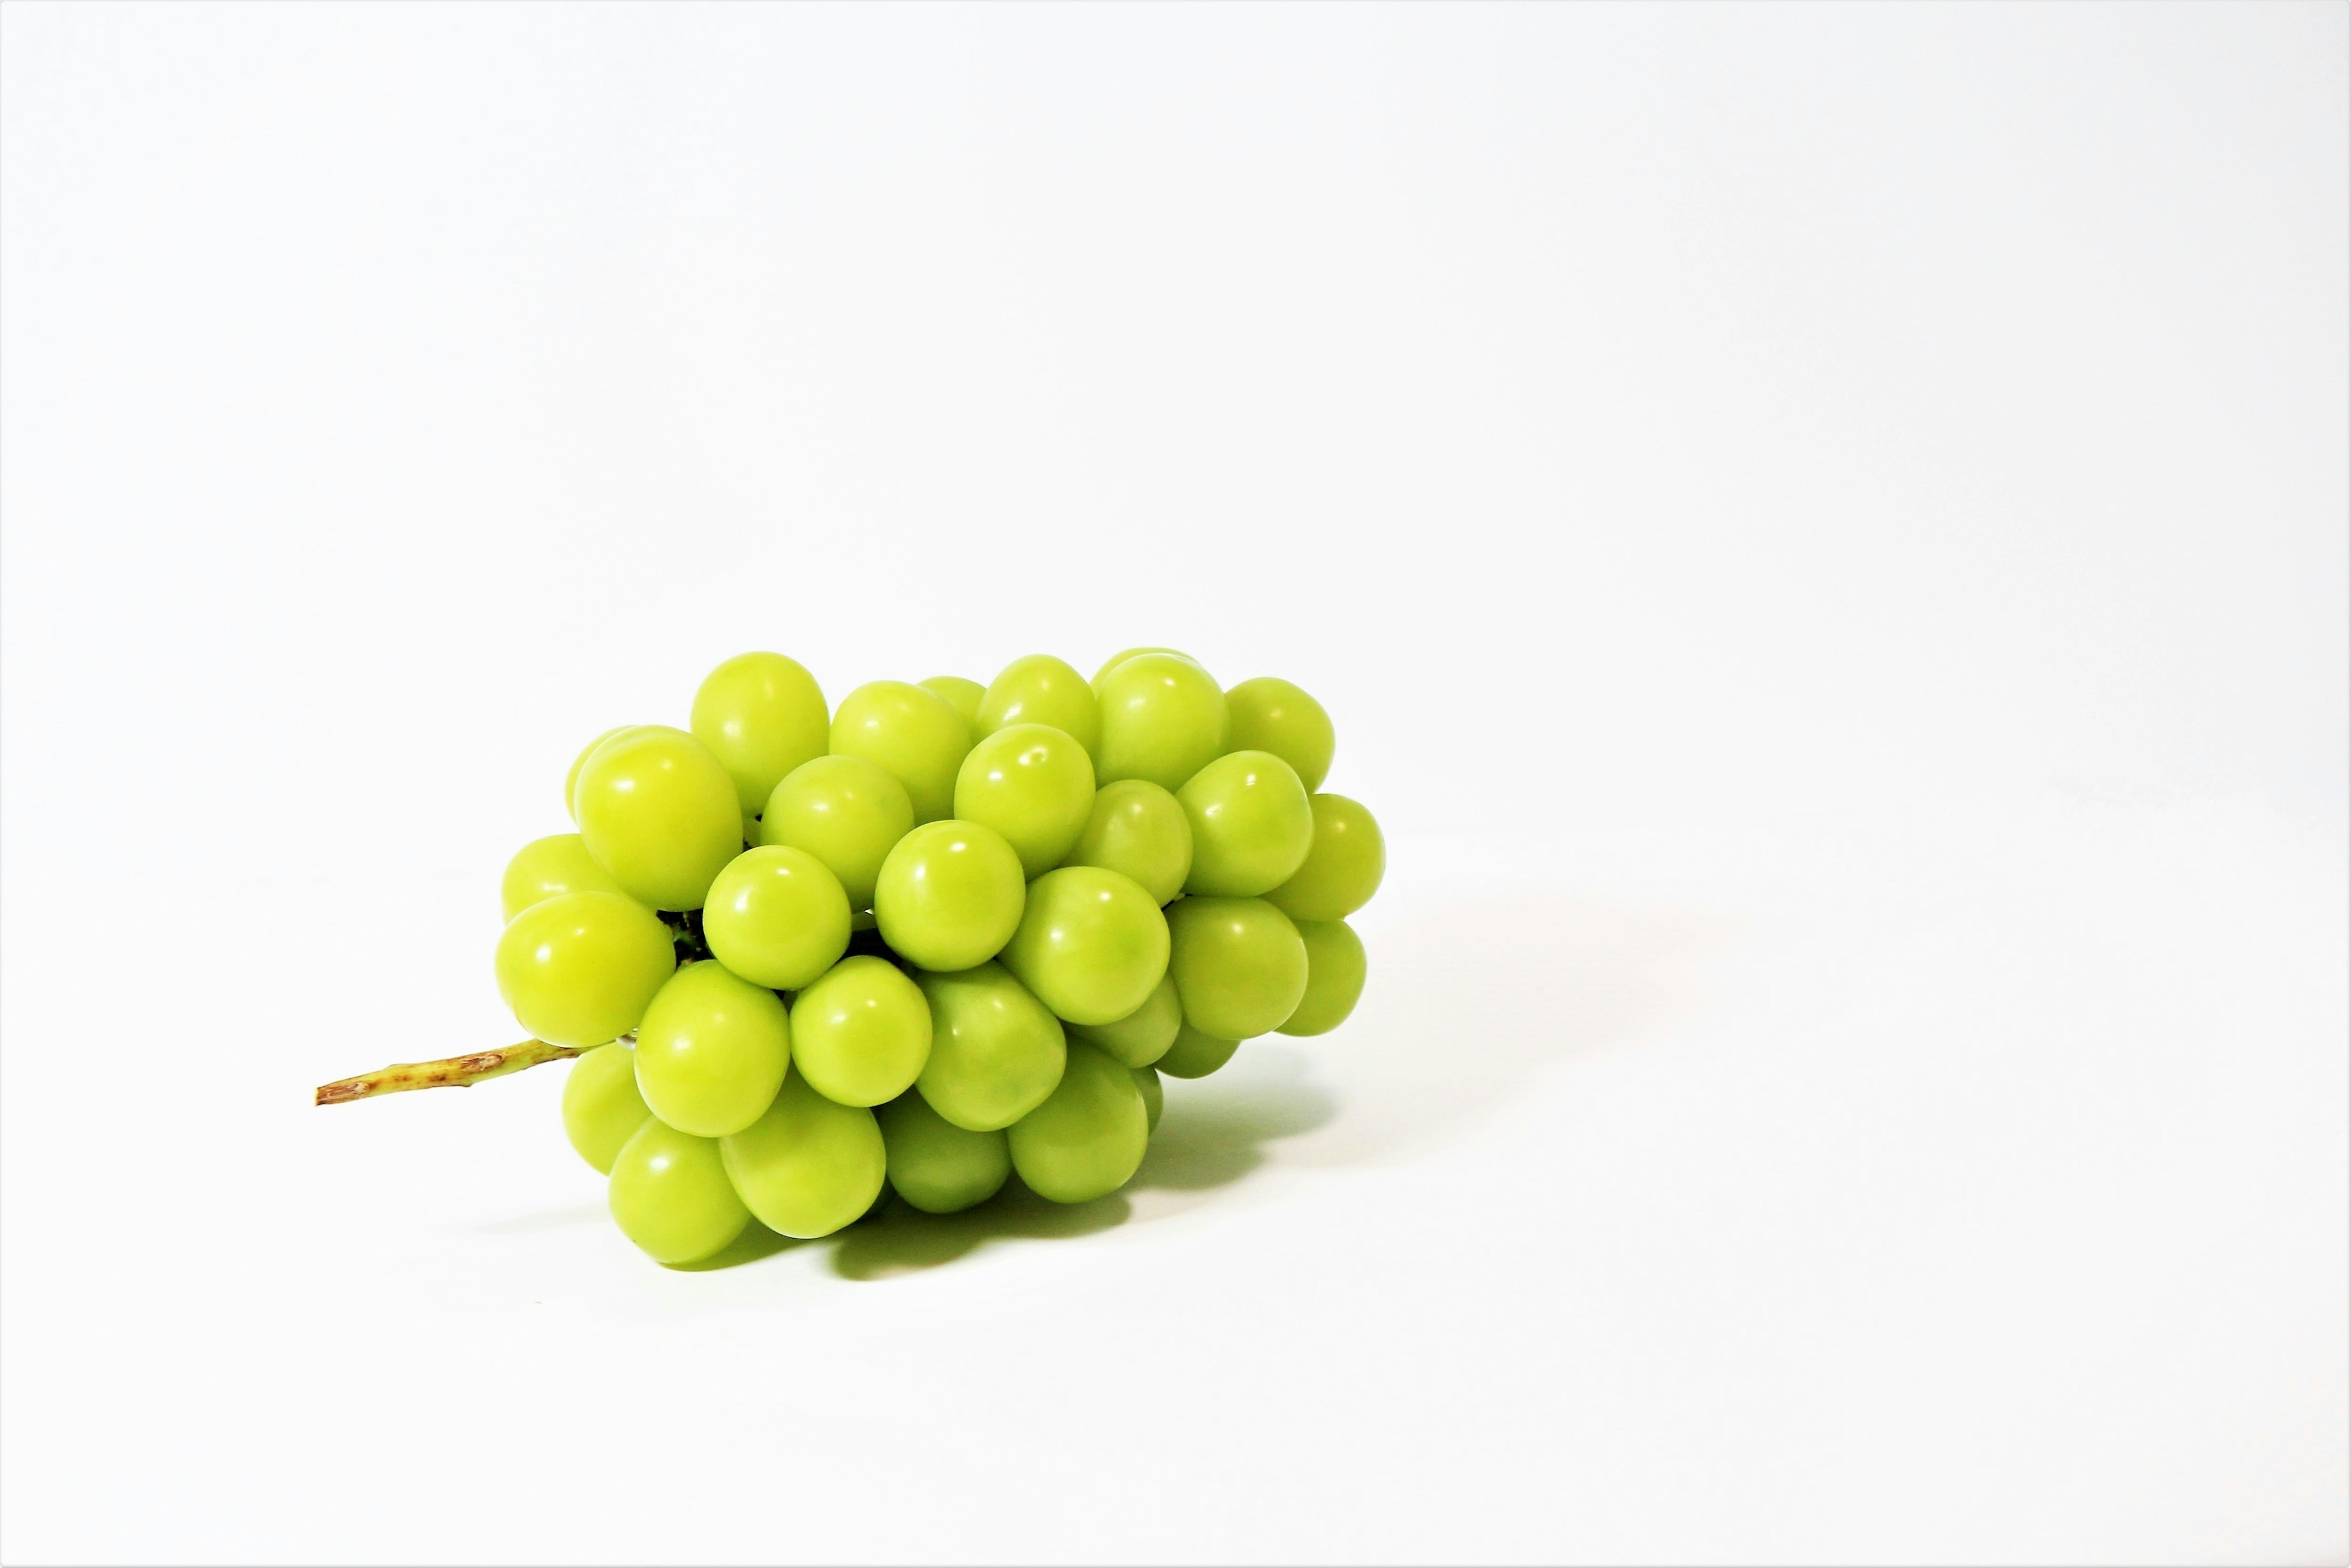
450, 1073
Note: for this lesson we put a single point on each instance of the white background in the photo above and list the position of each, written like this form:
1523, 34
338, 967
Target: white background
1824, 532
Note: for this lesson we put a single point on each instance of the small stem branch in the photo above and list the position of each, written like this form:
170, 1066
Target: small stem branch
454, 1071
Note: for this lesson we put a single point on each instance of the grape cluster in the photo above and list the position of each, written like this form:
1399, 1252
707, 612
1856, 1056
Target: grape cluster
940, 935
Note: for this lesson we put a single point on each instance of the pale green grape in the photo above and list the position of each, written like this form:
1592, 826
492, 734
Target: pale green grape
1154, 1093
671, 1195
1252, 826
1342, 870
949, 895
1088, 1136
710, 1052
1090, 945
1163, 719
936, 1166
1238, 964
571, 779
1034, 785
659, 813
1041, 689
761, 714
846, 811
601, 1107
1195, 1055
1335, 967
911, 734
1142, 1036
808, 1167
542, 868
580, 969
1139, 831
862, 1033
1123, 655
1268, 715
995, 1050
961, 695
777, 917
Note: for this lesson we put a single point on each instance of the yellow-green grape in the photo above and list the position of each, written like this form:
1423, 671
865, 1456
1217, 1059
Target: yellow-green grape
1343, 868
1252, 826
961, 695
1041, 689
1239, 966
761, 714
601, 1107
1090, 944
846, 811
659, 813
542, 868
1034, 785
671, 1195
778, 917
949, 895
995, 1050
1334, 977
862, 1033
1268, 715
808, 1167
911, 734
1123, 655
571, 779
1154, 1093
1142, 1036
712, 1050
1139, 831
1195, 1055
1163, 719
580, 968
936, 1166
1088, 1136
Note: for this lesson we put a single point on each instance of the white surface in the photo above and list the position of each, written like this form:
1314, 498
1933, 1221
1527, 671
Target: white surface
1824, 533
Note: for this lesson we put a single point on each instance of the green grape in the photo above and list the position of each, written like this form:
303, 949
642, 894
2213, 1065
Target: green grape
1343, 868
671, 1195
777, 917
542, 868
862, 1033
846, 811
1090, 944
1334, 977
1142, 1036
1154, 1094
1239, 966
1034, 785
571, 779
1138, 830
995, 1050
1252, 826
1123, 655
580, 969
936, 1166
1163, 719
1041, 689
1088, 1136
949, 895
659, 813
912, 734
808, 1167
1195, 1055
710, 1052
1268, 715
761, 714
601, 1107
961, 695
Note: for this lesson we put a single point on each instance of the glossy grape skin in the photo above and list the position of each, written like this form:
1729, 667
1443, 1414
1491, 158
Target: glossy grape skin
1343, 868
542, 868
1139, 831
1163, 719
1239, 966
671, 1194
1251, 825
571, 779
1041, 689
1270, 714
761, 714
1088, 1136
936, 1166
580, 969
995, 1050
601, 1107
949, 895
1032, 784
1123, 655
848, 812
808, 1167
1154, 1094
777, 917
960, 695
860, 1034
710, 1052
1335, 967
1090, 945
660, 814
911, 734
1195, 1054
1142, 1036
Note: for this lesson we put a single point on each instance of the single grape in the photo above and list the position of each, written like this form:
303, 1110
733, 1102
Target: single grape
1034, 785
1088, 1136
808, 1167
777, 917
936, 1166
580, 969
995, 1050
1239, 966
671, 1195
1142, 1036
601, 1107
1090, 944
862, 1033
1138, 830
571, 779
1335, 967
846, 811
1154, 1095
1041, 689
961, 695
710, 1052
1252, 826
1195, 1055
1123, 655
660, 814
542, 868
1268, 715
912, 734
1163, 719
949, 895
761, 714
1343, 868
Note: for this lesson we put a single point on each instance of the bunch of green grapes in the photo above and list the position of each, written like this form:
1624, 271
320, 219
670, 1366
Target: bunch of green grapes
937, 935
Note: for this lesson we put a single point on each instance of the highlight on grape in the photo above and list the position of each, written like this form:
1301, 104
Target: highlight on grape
939, 935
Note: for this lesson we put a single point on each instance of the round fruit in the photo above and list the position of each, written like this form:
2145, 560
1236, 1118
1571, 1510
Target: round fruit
1041, 689
543, 867
808, 1167
1142, 1036
961, 695
1238, 964
660, 813
1343, 868
580, 968
777, 917
1195, 1055
1252, 826
1139, 831
571, 779
846, 811
1154, 1093
995, 1050
761, 714
1334, 977
1163, 719
1031, 783
1123, 655
712, 1050
911, 734
601, 1107
860, 1034
949, 895
1088, 1136
1090, 945
1268, 715
671, 1195
936, 1166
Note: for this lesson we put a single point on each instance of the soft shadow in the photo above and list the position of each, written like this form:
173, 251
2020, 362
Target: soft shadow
898, 1238
1216, 1129
549, 1219
756, 1242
